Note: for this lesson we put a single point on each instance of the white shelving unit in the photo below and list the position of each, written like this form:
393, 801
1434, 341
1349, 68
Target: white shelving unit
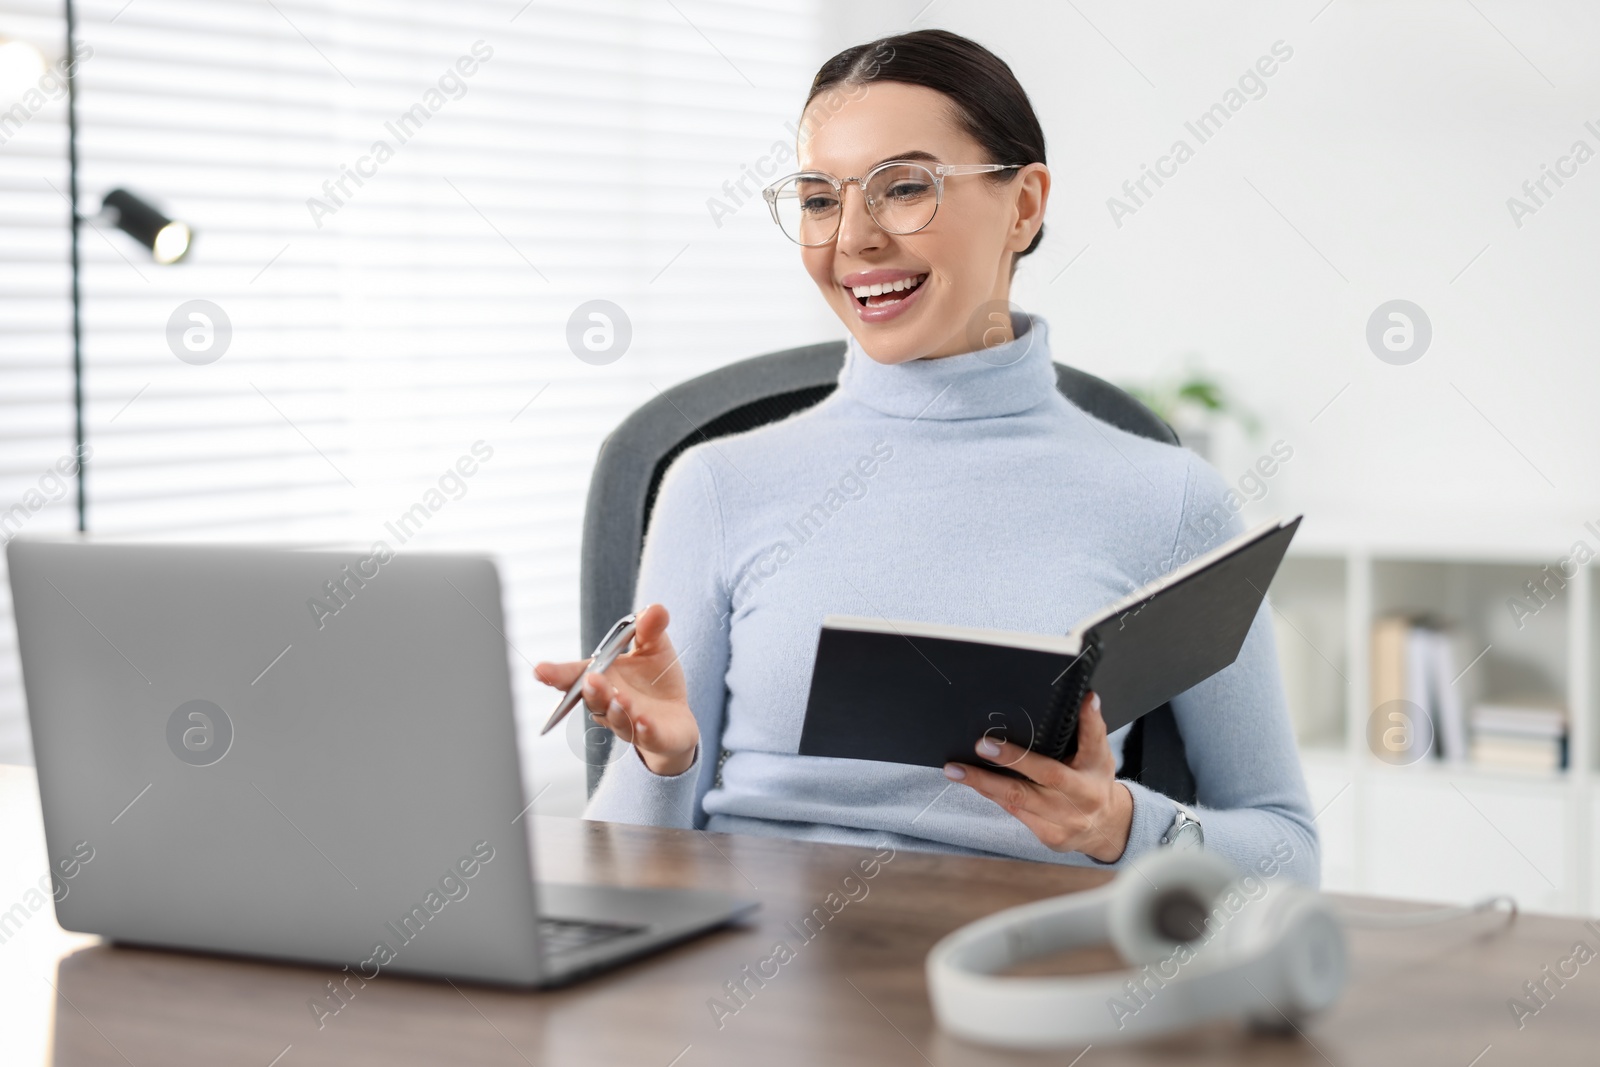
1434, 831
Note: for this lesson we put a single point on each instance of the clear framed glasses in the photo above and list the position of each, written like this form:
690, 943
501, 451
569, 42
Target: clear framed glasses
902, 197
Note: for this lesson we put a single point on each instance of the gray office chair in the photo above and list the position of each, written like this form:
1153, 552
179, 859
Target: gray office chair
751, 393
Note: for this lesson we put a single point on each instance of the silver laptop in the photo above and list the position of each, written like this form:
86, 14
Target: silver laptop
307, 755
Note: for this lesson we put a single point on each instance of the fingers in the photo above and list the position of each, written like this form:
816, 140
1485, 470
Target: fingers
1013, 794
598, 693
1054, 836
1069, 807
608, 707
559, 675
649, 635
1058, 819
650, 629
1038, 767
1093, 748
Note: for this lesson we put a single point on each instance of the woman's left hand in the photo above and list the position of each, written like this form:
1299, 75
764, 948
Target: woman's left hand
1071, 807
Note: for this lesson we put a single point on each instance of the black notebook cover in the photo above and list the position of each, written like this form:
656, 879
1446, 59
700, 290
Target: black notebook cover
904, 692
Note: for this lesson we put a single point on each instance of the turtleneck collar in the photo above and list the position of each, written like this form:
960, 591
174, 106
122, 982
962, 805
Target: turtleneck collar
1003, 380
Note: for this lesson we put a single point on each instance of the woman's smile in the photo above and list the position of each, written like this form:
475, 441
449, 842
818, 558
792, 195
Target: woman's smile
880, 295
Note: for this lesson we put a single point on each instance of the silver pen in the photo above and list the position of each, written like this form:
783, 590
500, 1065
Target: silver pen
612, 645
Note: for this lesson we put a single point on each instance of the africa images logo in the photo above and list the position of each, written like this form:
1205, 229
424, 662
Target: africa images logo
199, 733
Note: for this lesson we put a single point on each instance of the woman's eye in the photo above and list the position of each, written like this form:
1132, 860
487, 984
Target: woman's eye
818, 205
907, 190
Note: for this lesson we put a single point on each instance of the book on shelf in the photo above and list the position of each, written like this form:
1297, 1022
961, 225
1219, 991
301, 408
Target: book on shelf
1529, 735
1414, 661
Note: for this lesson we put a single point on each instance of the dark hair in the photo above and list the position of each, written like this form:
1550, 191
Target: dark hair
988, 101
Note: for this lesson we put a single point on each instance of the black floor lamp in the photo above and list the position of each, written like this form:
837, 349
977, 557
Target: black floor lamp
168, 241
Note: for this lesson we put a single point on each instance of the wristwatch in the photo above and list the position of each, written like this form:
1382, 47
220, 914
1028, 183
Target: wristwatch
1185, 833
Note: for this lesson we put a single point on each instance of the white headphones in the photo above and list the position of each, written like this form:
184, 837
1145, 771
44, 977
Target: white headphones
1203, 942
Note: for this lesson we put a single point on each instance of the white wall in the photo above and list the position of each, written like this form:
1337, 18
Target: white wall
1391, 141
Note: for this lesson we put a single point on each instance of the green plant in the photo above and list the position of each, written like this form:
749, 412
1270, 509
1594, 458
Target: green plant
1194, 395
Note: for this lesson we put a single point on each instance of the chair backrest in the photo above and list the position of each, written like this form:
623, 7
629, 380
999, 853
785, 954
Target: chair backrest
751, 393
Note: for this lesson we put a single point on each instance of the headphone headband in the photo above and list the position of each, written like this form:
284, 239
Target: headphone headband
1279, 953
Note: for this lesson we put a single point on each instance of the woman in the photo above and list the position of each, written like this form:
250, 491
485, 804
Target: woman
945, 480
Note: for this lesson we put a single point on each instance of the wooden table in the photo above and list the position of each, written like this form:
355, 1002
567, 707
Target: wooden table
853, 994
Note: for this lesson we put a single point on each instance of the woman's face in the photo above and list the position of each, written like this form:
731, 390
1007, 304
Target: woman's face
958, 268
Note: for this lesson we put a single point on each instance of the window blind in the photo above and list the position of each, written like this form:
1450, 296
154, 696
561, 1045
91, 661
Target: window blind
36, 417
399, 208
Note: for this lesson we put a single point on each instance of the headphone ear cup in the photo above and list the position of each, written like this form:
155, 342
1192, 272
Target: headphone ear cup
1297, 934
1164, 899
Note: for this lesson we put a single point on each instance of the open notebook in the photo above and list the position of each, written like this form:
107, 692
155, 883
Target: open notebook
924, 693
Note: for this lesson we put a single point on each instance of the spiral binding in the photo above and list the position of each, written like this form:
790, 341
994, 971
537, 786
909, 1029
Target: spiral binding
1062, 741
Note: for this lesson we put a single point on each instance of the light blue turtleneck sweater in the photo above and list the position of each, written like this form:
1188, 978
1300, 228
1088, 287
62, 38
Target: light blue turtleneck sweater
962, 490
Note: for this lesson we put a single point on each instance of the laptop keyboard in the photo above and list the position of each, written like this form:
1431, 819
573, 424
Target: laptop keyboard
564, 935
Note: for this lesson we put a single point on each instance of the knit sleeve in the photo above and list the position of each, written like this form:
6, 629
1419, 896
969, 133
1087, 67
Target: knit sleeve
1251, 794
683, 567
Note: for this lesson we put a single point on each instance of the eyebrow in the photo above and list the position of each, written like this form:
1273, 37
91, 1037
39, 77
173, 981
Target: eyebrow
916, 155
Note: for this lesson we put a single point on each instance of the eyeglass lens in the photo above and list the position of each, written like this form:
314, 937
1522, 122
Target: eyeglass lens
901, 198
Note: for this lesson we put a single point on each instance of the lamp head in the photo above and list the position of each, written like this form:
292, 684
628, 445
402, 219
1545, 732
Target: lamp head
167, 239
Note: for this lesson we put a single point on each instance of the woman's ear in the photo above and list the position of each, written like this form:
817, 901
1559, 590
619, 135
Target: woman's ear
1032, 190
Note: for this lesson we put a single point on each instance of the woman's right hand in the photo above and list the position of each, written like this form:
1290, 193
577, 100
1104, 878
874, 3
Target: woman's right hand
642, 697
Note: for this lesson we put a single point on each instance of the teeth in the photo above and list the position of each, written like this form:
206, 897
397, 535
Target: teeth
864, 291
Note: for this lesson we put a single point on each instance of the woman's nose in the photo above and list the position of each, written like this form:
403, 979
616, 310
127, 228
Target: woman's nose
858, 232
